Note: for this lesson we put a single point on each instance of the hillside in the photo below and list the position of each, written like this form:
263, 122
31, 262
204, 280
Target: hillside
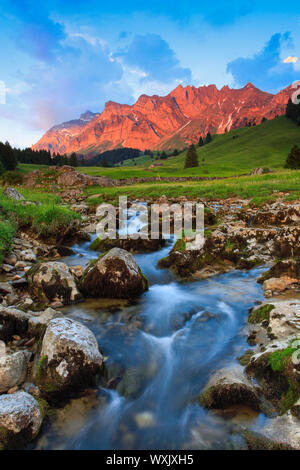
233, 153
171, 121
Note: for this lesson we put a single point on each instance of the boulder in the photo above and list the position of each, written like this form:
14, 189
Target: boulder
69, 359
53, 281
115, 275
275, 284
13, 369
227, 387
138, 245
5, 288
17, 322
12, 322
12, 193
20, 419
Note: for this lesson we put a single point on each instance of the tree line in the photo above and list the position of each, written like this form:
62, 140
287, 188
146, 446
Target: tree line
10, 157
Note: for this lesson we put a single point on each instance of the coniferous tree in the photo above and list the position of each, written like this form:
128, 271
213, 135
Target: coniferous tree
191, 159
208, 138
293, 111
200, 142
73, 160
293, 159
8, 156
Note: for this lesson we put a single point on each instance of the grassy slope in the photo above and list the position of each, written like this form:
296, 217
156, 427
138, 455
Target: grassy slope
264, 145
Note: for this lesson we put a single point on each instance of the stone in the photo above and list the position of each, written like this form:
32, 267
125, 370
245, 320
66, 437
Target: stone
12, 193
13, 368
28, 255
7, 268
17, 322
13, 321
20, 265
10, 259
81, 208
5, 288
11, 299
114, 275
227, 387
53, 281
69, 358
20, 283
20, 419
38, 321
275, 284
145, 419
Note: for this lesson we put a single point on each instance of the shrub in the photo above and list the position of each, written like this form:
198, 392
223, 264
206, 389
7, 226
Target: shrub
191, 159
44, 219
12, 177
293, 159
7, 231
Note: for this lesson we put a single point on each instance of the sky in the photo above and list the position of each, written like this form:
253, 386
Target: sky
60, 58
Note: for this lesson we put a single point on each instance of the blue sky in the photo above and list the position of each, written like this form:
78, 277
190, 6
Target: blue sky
61, 58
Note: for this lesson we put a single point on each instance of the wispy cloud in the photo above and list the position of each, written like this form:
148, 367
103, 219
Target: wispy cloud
152, 55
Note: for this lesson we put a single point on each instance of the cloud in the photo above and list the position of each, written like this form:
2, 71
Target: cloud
290, 60
34, 30
82, 77
265, 69
155, 59
69, 73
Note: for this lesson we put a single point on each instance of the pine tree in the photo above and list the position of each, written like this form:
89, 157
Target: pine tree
8, 156
200, 142
293, 159
191, 159
208, 138
73, 160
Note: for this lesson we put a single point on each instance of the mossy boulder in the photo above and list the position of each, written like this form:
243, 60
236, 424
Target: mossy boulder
227, 387
20, 420
261, 314
53, 281
69, 359
138, 245
277, 376
115, 274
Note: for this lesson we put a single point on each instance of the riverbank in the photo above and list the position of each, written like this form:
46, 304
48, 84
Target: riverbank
143, 379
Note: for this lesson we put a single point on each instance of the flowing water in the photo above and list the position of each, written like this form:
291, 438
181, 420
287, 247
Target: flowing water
160, 353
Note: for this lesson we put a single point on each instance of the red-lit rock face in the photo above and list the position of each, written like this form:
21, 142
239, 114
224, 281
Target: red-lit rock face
170, 121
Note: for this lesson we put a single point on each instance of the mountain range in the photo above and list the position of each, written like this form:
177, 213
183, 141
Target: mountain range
164, 122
